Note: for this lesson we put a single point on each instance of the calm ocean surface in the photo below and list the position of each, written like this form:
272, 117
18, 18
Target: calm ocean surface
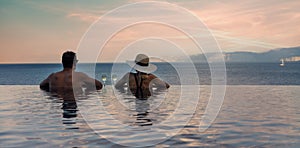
251, 116
237, 73
260, 109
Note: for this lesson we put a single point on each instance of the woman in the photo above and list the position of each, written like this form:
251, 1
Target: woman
141, 82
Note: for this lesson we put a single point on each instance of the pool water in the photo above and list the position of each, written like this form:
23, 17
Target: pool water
251, 116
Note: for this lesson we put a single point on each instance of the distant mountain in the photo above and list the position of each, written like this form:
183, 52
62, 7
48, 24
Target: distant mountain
288, 54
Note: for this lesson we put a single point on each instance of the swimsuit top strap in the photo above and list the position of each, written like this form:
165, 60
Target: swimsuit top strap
139, 90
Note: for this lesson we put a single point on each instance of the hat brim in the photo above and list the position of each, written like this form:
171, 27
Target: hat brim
146, 69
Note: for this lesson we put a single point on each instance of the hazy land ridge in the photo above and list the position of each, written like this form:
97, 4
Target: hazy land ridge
272, 56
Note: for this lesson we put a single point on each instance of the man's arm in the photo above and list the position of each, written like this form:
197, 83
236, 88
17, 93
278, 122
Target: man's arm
90, 82
98, 85
120, 84
44, 85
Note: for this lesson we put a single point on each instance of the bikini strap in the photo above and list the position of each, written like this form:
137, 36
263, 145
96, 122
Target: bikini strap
139, 90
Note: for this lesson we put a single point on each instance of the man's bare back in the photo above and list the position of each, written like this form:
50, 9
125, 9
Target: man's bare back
69, 82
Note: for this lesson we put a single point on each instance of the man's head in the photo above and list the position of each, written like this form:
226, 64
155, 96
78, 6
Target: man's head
69, 59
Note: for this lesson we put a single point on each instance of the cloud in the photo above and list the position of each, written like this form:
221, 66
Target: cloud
267, 24
86, 17
48, 7
248, 25
238, 25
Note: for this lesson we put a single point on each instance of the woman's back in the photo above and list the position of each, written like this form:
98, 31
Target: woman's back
139, 84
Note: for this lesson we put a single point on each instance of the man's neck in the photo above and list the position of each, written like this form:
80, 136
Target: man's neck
68, 69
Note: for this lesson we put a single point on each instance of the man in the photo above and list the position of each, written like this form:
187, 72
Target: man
68, 81
141, 82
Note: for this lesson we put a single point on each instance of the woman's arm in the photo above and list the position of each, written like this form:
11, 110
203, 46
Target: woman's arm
159, 83
90, 82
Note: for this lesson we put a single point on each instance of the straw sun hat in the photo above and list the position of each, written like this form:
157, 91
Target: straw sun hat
141, 63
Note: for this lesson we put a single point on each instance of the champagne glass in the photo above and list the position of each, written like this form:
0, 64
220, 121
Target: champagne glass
104, 78
126, 87
114, 78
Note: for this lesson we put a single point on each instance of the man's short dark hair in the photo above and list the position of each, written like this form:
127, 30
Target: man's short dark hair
68, 59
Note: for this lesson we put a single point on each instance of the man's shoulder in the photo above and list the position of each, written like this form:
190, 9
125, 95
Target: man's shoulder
80, 74
53, 74
56, 73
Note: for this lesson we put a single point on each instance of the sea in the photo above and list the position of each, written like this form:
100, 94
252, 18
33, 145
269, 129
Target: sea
235, 73
260, 108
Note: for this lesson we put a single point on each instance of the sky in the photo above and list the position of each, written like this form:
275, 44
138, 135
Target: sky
40, 31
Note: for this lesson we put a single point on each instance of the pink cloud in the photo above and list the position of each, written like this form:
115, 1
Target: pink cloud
269, 24
86, 17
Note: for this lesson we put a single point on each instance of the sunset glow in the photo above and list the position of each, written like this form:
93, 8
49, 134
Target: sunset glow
39, 31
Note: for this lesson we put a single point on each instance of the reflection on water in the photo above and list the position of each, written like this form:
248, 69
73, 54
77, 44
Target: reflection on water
68, 107
251, 116
142, 108
69, 111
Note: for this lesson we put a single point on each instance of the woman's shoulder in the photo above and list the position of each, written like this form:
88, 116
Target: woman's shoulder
152, 76
130, 74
